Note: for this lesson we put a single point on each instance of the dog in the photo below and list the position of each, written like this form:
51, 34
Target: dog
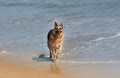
55, 41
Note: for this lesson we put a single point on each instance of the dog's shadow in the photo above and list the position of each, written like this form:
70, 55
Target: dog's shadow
42, 57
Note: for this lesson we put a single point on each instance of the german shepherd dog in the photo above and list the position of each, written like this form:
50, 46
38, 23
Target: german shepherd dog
55, 41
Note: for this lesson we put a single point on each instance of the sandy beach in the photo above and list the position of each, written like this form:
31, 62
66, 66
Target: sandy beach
16, 67
19, 66
91, 47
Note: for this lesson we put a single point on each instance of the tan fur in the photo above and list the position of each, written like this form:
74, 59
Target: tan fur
55, 41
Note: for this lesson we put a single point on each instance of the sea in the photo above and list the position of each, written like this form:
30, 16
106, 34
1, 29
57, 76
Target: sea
92, 28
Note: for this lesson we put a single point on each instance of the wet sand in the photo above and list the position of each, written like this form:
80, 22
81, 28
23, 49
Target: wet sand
19, 66
14, 66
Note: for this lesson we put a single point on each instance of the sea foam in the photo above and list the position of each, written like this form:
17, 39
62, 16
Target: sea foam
92, 62
110, 37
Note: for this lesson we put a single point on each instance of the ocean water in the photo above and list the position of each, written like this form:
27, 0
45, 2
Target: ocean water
92, 28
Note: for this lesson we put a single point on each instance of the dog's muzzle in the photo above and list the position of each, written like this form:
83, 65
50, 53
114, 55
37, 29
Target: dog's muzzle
58, 32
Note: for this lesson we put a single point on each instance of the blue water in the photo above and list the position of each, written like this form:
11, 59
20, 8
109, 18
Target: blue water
92, 28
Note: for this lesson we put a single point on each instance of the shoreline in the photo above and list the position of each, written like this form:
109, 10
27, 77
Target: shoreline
21, 66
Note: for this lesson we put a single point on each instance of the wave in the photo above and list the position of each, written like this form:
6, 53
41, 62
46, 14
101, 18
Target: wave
115, 36
10, 22
110, 37
98, 62
5, 52
17, 4
98, 39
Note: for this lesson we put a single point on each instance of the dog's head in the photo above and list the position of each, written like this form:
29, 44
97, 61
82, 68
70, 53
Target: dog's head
58, 29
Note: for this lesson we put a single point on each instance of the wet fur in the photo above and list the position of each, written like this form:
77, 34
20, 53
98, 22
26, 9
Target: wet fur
55, 41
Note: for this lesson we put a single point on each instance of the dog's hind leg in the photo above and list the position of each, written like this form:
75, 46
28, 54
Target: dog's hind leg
50, 53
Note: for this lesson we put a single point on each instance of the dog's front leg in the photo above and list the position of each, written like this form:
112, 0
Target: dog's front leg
55, 54
60, 50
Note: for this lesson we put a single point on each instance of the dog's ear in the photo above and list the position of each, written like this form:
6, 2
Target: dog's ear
61, 24
56, 24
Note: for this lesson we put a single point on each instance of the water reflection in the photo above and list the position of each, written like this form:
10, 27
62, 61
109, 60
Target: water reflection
55, 68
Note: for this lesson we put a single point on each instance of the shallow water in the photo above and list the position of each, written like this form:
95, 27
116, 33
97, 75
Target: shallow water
92, 28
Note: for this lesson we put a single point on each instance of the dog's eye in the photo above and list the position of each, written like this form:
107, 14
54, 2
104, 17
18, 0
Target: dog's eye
60, 28
60, 31
56, 28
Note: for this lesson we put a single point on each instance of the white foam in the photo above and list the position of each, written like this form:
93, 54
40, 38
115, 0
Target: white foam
111, 37
99, 62
98, 39
5, 52
115, 36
